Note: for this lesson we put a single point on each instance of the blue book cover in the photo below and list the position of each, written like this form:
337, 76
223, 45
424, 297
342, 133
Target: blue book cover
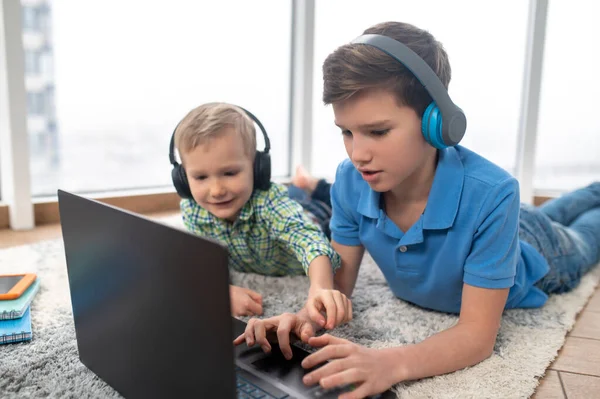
15, 308
16, 330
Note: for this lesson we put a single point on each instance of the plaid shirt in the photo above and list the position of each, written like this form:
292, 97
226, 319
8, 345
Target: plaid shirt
272, 236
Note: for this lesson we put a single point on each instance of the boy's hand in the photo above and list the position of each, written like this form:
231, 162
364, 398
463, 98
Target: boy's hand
337, 307
283, 325
372, 371
245, 302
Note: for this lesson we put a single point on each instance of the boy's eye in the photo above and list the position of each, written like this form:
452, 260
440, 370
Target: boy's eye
231, 173
381, 132
201, 177
346, 133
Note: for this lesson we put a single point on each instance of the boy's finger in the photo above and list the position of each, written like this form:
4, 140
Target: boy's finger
249, 333
255, 296
321, 340
283, 336
330, 310
254, 307
347, 306
260, 333
349, 309
340, 302
306, 332
314, 313
239, 339
326, 339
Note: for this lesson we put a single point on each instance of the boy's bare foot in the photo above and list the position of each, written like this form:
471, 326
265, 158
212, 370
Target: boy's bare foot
302, 179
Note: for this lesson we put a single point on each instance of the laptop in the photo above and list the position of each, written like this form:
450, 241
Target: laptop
152, 312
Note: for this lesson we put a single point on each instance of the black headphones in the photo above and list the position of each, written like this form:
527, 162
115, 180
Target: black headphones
262, 164
443, 123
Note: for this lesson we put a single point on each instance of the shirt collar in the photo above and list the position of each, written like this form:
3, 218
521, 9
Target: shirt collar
444, 196
369, 202
248, 209
446, 190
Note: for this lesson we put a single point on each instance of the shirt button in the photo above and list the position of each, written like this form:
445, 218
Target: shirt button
403, 248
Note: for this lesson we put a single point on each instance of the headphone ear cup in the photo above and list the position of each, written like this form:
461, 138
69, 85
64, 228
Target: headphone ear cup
262, 170
431, 126
180, 182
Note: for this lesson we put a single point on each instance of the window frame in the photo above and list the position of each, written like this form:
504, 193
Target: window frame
19, 208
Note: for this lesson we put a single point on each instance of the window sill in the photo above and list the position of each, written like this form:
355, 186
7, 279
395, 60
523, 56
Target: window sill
144, 201
141, 201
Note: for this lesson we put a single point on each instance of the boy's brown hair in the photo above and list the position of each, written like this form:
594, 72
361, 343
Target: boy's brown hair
355, 67
206, 121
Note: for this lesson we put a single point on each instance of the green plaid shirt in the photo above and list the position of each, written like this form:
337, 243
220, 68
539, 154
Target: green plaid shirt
272, 236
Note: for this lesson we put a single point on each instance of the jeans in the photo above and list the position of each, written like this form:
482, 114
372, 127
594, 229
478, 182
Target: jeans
566, 232
318, 203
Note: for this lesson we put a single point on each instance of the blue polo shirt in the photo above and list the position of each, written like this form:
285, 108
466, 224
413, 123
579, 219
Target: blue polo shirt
468, 233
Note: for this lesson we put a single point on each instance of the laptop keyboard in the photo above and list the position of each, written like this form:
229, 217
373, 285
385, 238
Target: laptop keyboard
249, 387
248, 390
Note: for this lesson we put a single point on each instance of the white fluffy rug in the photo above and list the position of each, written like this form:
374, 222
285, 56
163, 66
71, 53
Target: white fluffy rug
529, 340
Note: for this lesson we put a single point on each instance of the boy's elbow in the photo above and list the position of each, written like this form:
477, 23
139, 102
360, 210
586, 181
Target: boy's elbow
487, 351
481, 341
485, 347
476, 351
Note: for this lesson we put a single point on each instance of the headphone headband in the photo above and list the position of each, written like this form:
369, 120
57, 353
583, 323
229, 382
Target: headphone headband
261, 127
248, 113
261, 165
455, 123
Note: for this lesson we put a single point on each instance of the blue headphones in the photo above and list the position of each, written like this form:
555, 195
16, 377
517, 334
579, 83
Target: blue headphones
443, 123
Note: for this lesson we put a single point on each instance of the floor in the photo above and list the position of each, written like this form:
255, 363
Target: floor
574, 374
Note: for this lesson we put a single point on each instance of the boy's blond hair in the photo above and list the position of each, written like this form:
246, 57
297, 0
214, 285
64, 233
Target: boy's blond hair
355, 67
209, 120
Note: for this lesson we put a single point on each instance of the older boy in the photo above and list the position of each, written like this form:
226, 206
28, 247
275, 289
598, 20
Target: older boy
266, 232
441, 222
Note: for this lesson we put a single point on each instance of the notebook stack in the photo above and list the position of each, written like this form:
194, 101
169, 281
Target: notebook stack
15, 316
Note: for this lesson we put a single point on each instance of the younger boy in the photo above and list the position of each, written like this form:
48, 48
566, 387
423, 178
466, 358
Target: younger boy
442, 223
265, 231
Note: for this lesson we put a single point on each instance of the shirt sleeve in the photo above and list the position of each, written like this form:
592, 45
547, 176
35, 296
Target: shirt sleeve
492, 261
344, 227
292, 228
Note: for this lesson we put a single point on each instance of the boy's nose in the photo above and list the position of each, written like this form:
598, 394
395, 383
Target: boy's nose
360, 151
217, 190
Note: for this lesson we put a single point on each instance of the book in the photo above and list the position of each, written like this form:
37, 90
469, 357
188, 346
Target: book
14, 308
16, 330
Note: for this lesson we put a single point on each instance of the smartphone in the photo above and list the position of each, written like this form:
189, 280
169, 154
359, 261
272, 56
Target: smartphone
13, 285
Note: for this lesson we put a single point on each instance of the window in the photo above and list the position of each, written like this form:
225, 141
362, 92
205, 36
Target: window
35, 15
29, 18
568, 141
32, 63
125, 76
486, 55
36, 104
